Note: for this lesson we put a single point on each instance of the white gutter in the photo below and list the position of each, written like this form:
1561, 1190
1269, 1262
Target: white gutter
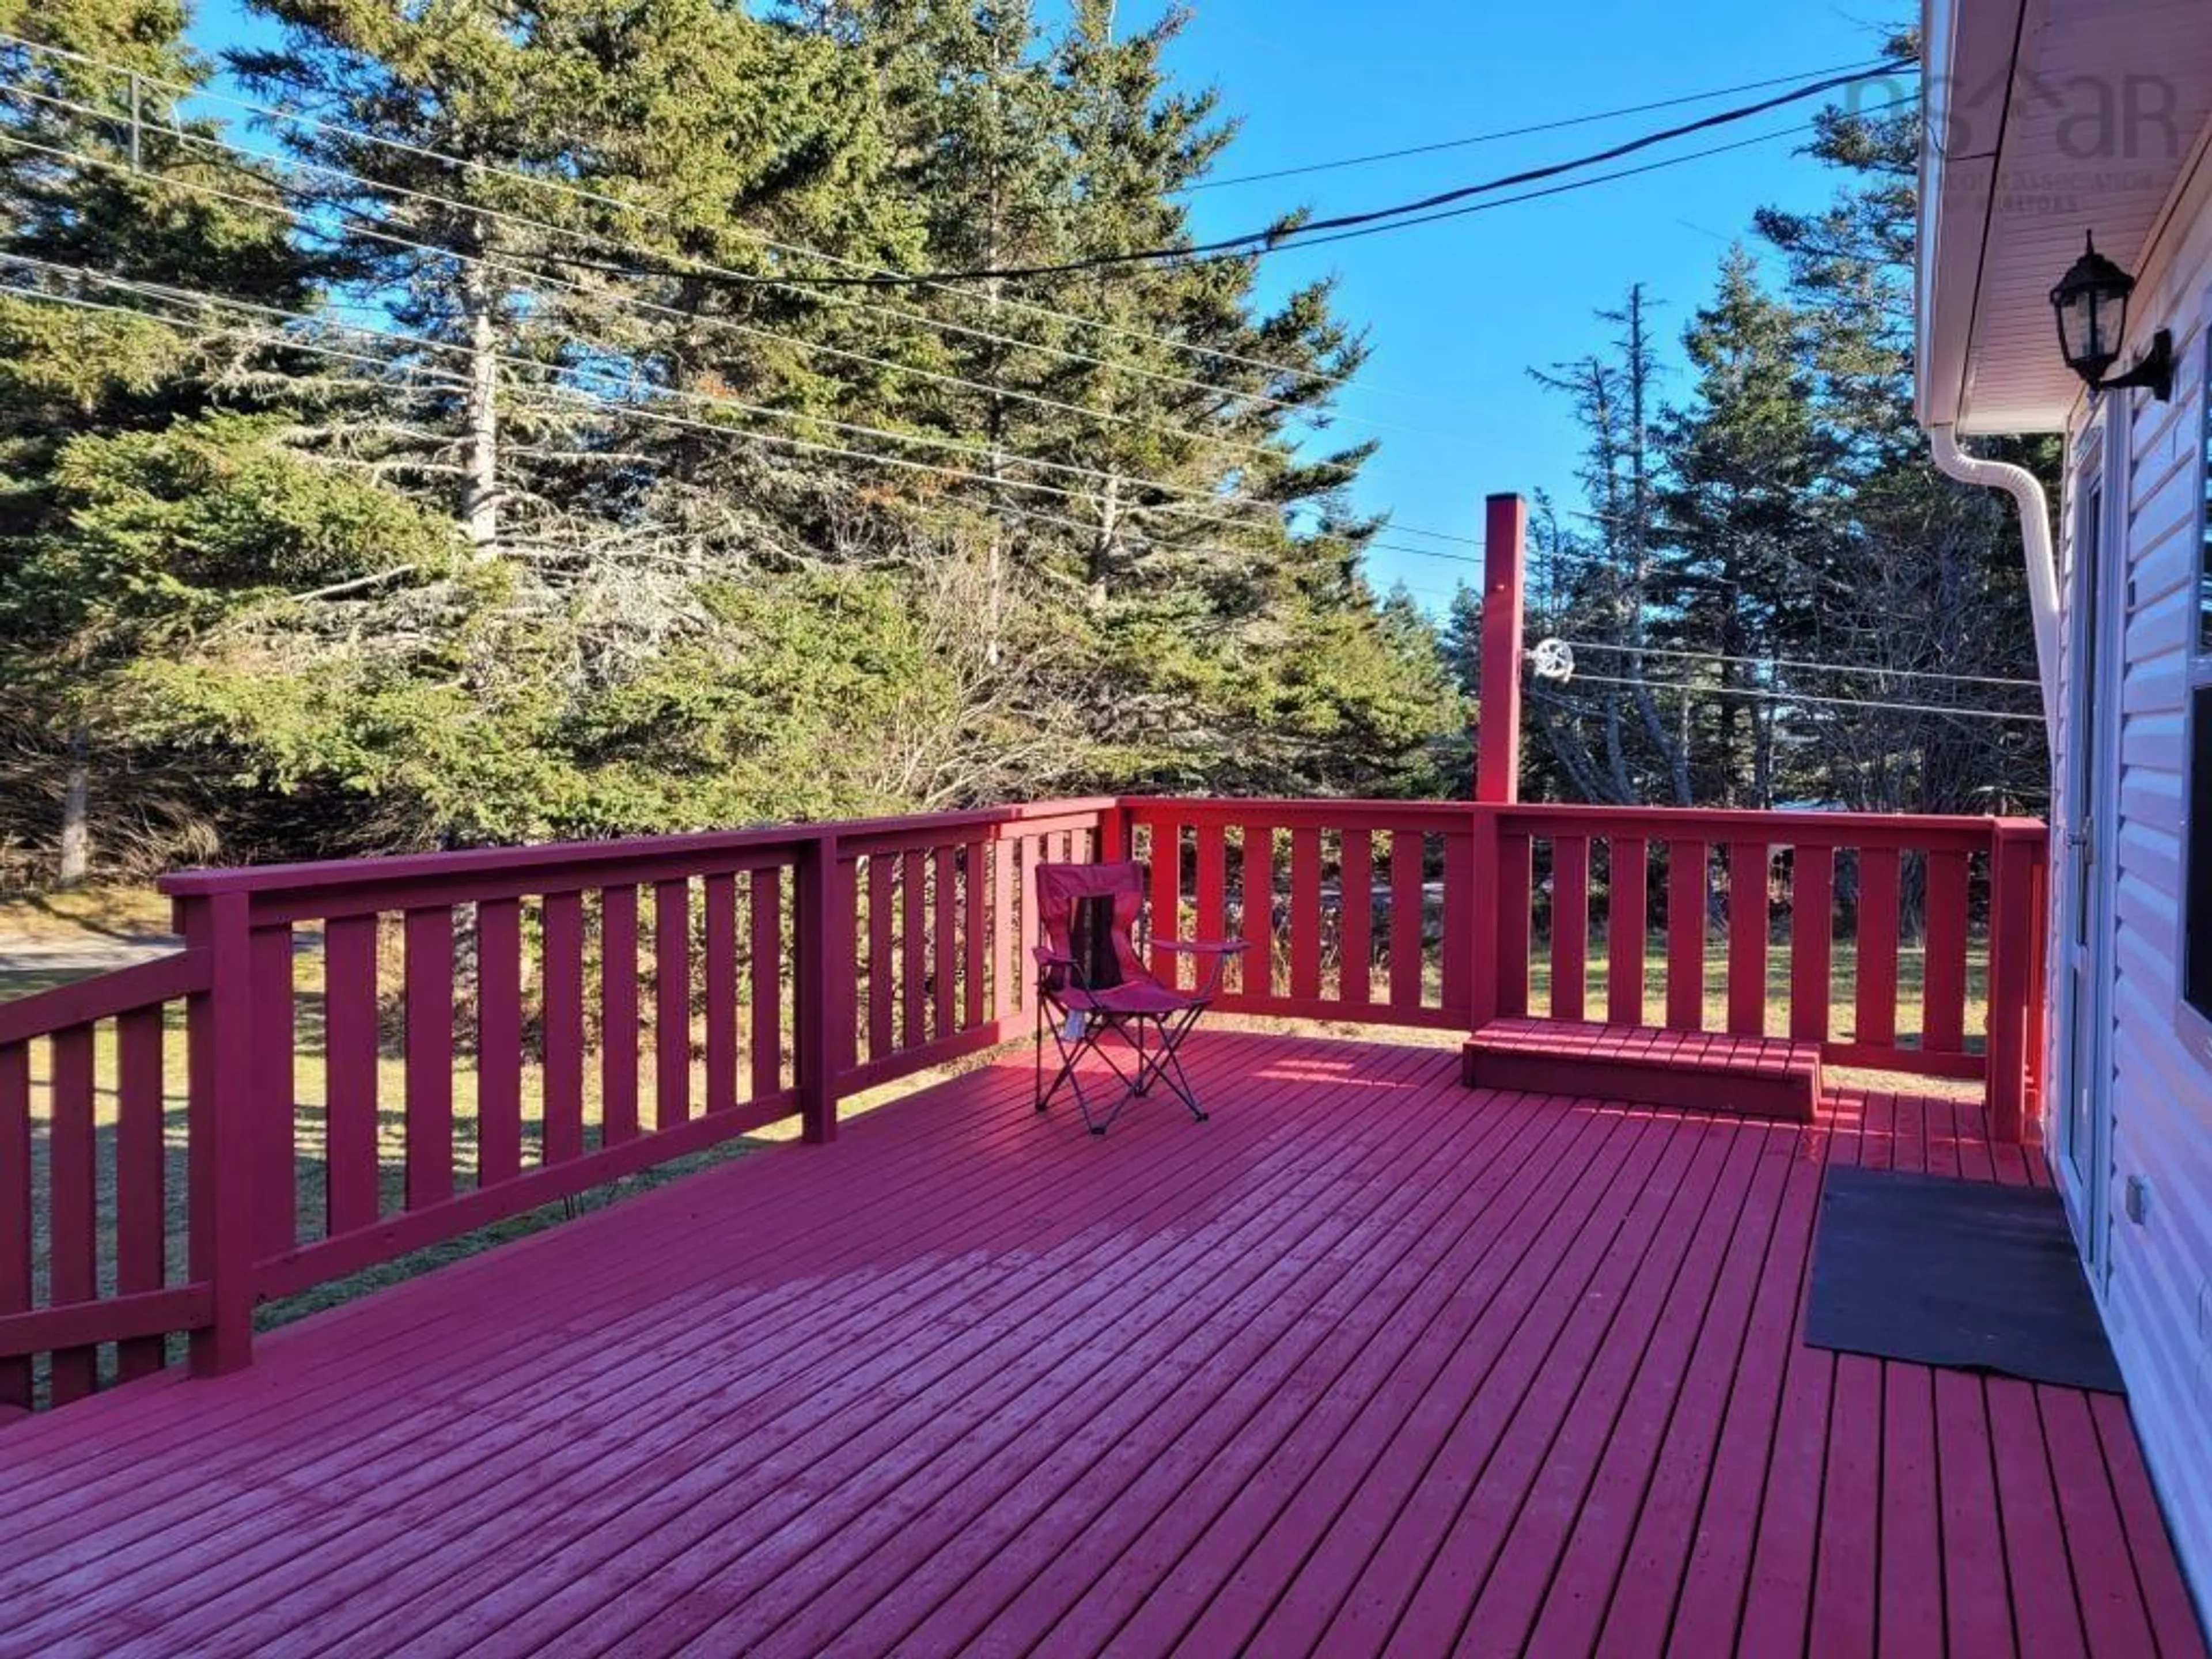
2026, 490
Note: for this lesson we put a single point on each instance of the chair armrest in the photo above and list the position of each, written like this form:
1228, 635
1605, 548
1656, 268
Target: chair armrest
1204, 947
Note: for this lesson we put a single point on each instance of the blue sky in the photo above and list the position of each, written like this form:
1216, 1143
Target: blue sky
1457, 312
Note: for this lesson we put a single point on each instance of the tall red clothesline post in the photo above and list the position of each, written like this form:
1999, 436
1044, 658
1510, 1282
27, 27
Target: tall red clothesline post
1497, 759
1498, 748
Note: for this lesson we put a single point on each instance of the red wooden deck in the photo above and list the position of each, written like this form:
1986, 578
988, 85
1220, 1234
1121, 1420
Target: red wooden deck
1368, 1361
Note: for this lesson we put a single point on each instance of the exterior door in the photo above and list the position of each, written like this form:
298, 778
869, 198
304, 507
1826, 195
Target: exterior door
2085, 1126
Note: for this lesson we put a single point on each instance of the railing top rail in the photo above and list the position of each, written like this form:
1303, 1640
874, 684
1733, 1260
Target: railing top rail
1354, 813
1718, 823
103, 996
610, 857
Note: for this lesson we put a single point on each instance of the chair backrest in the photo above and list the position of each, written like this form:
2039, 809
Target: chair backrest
1089, 912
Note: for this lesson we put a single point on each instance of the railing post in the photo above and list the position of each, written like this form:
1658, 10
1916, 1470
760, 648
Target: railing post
1497, 763
1477, 927
2012, 980
823, 952
1114, 832
222, 1108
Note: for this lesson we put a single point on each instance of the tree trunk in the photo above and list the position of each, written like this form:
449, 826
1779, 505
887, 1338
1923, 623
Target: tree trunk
76, 812
1109, 521
480, 414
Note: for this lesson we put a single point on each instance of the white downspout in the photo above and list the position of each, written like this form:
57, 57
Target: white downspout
2026, 490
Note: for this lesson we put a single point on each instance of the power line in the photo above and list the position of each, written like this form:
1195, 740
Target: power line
1569, 188
1475, 542
424, 343
1760, 694
1802, 662
1257, 243
303, 219
578, 192
374, 230
1183, 494
450, 381
1521, 132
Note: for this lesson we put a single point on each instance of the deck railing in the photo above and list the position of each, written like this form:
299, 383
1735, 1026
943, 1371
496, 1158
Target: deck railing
351, 1061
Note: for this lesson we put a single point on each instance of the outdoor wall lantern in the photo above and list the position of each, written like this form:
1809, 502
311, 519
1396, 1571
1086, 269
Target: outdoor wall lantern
2092, 303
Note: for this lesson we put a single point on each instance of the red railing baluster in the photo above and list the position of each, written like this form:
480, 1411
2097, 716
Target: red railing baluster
618, 1032
1356, 903
1005, 935
1164, 860
1570, 863
719, 908
1943, 1017
16, 1207
1516, 894
1876, 994
883, 869
822, 967
1408, 921
1210, 902
499, 1042
1305, 912
430, 944
73, 1204
1456, 945
276, 1127
141, 1180
671, 1004
943, 943
1811, 941
765, 962
1626, 932
561, 1133
1259, 962
974, 930
352, 1039
1685, 934
1747, 933
914, 945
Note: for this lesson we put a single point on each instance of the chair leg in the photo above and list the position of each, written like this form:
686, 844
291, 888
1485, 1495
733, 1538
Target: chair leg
1167, 1065
1069, 1055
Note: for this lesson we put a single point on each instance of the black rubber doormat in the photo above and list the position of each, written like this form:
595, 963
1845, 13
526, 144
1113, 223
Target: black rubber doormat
1954, 1272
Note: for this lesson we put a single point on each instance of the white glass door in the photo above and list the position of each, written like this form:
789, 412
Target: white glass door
2084, 1125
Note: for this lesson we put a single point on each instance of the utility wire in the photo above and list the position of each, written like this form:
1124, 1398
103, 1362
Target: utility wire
1285, 234
1764, 695
1801, 662
396, 339
623, 407
1368, 159
304, 221
1568, 188
578, 192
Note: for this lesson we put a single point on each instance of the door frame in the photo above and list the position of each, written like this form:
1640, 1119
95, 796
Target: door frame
2098, 502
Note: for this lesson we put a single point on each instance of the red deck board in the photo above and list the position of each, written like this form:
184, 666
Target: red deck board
653, 1496
1369, 1361
1359, 1581
814, 1453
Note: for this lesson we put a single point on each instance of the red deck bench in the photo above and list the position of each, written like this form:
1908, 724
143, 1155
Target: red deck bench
1701, 1071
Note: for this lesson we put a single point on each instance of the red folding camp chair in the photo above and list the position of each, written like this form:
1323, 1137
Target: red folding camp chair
1092, 984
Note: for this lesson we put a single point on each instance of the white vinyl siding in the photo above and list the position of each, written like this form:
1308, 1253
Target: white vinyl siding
2157, 1290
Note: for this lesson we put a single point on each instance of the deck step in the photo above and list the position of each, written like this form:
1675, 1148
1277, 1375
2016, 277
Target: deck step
1700, 1071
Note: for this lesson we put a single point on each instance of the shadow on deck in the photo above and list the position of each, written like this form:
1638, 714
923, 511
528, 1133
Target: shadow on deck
1367, 1361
